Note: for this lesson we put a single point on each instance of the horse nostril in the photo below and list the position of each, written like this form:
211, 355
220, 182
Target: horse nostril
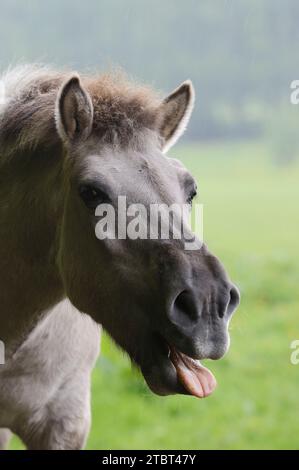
234, 300
184, 309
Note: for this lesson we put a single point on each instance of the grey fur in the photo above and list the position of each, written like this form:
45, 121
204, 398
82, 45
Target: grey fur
54, 138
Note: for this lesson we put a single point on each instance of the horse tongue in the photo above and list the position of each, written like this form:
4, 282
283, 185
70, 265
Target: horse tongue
196, 379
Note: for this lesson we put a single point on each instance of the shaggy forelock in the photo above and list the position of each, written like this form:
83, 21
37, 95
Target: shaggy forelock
121, 108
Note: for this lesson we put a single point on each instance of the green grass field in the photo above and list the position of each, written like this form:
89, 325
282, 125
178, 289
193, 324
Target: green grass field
252, 223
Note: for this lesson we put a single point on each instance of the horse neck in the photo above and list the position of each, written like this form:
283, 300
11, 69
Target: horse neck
31, 208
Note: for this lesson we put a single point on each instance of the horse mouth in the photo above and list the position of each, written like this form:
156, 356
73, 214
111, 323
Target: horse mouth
196, 379
171, 371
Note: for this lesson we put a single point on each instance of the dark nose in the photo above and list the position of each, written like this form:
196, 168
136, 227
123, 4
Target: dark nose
234, 300
187, 307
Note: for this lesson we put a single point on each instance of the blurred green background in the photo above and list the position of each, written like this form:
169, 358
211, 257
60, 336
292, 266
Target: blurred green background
243, 148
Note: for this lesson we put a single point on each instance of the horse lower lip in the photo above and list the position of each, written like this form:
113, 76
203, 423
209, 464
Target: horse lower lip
195, 378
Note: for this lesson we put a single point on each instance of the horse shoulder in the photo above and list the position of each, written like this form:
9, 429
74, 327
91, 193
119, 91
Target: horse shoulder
61, 349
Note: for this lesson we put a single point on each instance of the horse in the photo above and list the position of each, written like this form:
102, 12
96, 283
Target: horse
69, 143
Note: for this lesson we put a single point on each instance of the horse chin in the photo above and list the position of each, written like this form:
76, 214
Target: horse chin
162, 379
173, 372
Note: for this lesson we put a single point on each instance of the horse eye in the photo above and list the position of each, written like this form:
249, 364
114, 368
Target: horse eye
92, 196
192, 196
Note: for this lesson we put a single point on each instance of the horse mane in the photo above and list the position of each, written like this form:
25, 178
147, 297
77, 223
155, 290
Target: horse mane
27, 111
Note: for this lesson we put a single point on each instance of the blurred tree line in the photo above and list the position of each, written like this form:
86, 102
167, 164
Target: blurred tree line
240, 54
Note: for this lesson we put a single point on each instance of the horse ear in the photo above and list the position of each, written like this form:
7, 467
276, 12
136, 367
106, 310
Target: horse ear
74, 111
174, 114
